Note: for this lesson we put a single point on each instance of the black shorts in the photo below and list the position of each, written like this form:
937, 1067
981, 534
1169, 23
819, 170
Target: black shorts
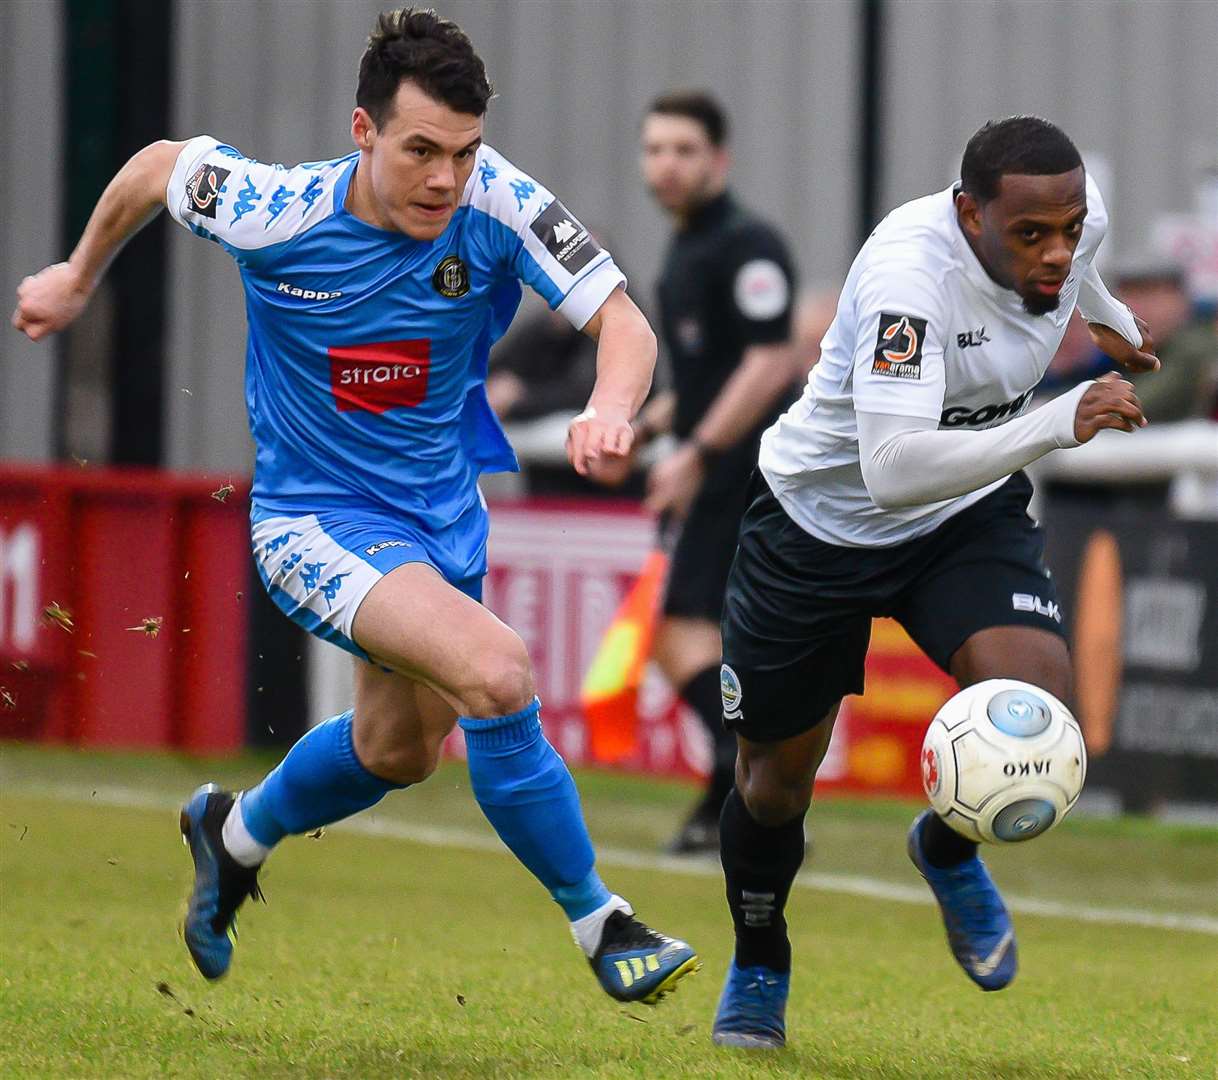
797, 614
702, 555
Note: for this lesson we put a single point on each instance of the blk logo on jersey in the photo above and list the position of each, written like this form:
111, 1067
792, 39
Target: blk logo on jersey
898, 346
972, 337
203, 189
380, 376
451, 278
564, 237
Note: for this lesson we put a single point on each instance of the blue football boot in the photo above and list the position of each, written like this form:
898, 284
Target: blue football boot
752, 1009
634, 963
221, 883
978, 924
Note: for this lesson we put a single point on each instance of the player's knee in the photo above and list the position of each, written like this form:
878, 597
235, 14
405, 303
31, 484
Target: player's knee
501, 682
402, 763
773, 800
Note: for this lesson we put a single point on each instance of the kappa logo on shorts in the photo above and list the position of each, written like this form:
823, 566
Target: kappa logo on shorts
380, 376
203, 189
564, 237
898, 346
376, 549
730, 691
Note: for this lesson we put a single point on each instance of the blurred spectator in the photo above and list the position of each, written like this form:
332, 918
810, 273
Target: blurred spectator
1187, 345
546, 366
815, 311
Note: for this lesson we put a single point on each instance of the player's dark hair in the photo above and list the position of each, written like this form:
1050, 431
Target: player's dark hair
435, 53
1025, 145
696, 105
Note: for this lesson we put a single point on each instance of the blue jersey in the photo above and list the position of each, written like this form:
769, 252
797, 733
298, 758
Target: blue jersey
367, 349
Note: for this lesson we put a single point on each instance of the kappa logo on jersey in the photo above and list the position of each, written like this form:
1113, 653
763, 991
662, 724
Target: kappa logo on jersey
959, 416
380, 376
898, 347
451, 278
564, 237
288, 289
203, 189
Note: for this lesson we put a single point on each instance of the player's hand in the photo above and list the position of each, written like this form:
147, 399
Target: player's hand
674, 482
1110, 402
49, 301
612, 470
593, 435
1128, 356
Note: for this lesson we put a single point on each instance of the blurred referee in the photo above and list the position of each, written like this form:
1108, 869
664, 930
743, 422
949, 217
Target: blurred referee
725, 297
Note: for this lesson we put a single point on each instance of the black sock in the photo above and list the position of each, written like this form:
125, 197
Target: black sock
702, 694
759, 865
942, 845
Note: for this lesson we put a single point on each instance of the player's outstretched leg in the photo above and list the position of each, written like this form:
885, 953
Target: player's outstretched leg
527, 794
320, 781
979, 928
759, 866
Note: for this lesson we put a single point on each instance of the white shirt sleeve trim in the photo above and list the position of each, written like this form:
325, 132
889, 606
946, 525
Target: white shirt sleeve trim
593, 289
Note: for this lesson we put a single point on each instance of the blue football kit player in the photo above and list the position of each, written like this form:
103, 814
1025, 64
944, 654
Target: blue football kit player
375, 285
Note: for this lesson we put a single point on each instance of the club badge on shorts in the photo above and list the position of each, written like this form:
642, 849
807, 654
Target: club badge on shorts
729, 689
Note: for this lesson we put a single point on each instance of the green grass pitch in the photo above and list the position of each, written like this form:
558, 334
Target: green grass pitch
425, 950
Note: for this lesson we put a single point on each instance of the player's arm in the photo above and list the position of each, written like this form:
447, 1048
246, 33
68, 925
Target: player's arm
1117, 331
907, 462
55, 296
625, 363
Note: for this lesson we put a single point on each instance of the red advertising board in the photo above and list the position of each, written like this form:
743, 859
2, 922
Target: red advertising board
121, 622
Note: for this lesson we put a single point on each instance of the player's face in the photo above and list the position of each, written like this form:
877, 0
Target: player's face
683, 168
1025, 237
419, 161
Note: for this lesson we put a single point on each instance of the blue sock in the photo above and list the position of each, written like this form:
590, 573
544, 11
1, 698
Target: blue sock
527, 794
319, 782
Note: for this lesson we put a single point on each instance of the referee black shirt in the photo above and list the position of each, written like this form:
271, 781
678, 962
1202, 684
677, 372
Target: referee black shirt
728, 283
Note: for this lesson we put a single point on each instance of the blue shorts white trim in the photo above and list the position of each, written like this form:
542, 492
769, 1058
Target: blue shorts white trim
319, 567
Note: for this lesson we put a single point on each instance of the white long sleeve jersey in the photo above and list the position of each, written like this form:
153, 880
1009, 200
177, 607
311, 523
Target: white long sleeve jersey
923, 333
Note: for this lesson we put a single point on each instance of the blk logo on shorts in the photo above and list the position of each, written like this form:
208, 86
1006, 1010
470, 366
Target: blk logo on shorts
898, 346
379, 376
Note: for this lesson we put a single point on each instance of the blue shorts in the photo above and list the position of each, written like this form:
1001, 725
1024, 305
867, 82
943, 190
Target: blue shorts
319, 567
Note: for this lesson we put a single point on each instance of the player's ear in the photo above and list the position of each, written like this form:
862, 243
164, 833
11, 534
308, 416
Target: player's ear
969, 211
363, 130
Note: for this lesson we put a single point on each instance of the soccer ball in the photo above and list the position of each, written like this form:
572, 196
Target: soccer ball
1003, 761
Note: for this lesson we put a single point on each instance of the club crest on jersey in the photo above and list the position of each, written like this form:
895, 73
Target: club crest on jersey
451, 278
203, 189
898, 346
